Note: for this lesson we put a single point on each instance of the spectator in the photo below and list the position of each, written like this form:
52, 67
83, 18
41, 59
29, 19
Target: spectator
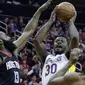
33, 80
35, 70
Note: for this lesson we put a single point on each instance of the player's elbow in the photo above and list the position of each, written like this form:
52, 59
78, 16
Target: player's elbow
36, 38
36, 41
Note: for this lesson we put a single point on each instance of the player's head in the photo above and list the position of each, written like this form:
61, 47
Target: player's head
5, 41
3, 36
60, 45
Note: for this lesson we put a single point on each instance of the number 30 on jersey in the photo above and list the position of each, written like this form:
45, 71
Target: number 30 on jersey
50, 69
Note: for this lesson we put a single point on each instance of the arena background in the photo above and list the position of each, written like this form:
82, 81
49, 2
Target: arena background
14, 15
27, 9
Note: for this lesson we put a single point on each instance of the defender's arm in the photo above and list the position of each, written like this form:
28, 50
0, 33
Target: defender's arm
73, 32
30, 27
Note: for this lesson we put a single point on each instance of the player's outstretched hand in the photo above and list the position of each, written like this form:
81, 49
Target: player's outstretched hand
45, 5
74, 55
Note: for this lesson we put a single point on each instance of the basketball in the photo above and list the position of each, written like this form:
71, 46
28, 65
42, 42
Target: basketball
65, 11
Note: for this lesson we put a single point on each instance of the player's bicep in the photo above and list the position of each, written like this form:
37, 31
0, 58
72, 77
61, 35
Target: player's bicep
40, 50
22, 40
74, 43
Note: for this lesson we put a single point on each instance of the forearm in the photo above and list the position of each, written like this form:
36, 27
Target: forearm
73, 32
32, 24
74, 35
43, 31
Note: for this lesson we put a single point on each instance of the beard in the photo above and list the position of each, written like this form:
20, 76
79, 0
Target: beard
9, 45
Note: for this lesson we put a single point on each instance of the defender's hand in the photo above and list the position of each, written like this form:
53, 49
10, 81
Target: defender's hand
45, 5
74, 55
53, 14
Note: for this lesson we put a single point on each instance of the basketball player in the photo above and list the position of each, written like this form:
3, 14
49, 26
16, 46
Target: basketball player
9, 66
74, 78
53, 63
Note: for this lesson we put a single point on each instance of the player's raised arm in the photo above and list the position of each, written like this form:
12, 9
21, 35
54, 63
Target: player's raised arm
39, 37
30, 27
74, 35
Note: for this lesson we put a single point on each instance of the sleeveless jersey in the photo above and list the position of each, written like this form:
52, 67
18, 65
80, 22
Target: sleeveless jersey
52, 65
9, 69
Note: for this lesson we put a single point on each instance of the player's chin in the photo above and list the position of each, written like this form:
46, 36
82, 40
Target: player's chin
59, 51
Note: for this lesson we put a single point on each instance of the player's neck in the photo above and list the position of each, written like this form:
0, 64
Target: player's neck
58, 52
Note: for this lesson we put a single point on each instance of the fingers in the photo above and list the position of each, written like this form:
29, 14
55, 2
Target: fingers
77, 50
53, 15
74, 55
45, 5
74, 17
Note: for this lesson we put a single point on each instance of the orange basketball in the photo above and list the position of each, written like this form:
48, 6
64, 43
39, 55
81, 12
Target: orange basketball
65, 11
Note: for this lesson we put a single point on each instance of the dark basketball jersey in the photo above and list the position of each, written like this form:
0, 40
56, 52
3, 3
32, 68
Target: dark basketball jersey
9, 69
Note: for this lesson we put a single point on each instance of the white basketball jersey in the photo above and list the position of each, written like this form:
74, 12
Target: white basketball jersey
52, 65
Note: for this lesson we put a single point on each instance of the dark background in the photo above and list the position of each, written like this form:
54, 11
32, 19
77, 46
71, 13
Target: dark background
27, 10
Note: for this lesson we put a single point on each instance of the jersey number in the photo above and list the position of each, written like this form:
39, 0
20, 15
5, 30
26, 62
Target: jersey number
16, 74
51, 69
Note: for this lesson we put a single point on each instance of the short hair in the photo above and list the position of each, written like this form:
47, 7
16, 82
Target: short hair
9, 45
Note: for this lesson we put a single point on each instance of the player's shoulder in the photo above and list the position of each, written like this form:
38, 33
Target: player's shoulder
50, 55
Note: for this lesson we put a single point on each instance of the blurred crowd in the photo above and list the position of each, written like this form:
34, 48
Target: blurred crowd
31, 68
35, 3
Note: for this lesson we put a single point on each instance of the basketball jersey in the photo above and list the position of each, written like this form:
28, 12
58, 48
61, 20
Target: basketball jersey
9, 70
52, 65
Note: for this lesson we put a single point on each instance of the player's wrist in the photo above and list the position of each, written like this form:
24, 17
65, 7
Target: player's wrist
45, 6
70, 63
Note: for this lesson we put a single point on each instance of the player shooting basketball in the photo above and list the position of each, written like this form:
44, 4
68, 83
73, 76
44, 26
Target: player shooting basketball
53, 63
63, 78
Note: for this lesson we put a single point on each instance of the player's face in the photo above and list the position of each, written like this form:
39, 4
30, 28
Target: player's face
3, 36
60, 44
7, 41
